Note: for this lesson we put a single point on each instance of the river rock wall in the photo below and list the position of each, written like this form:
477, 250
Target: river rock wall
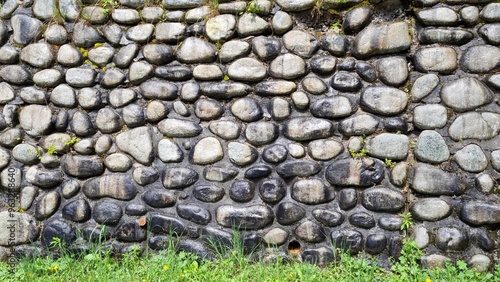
302, 124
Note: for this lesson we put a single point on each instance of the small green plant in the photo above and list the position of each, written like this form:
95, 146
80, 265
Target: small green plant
390, 163
226, 77
336, 25
252, 8
361, 153
108, 5
407, 221
52, 150
71, 141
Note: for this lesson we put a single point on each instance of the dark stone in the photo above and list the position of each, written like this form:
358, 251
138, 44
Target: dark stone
108, 213
57, 229
136, 209
241, 191
310, 232
275, 154
322, 65
252, 217
44, 178
258, 171
390, 223
251, 243
208, 193
336, 44
145, 175
266, 48
359, 172
224, 89
159, 198
480, 213
312, 191
344, 81
395, 246
396, 124
194, 247
485, 242
130, 232
174, 73
320, 256
445, 36
217, 237
62, 121
366, 71
375, 243
194, 213
78, 211
166, 225
118, 186
94, 234
452, 239
347, 64
332, 107
298, 168
179, 177
219, 174
288, 213
160, 242
383, 199
272, 190
348, 240
347, 199
362, 220
328, 217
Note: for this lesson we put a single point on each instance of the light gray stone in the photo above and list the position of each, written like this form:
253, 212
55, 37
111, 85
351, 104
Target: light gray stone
120, 97
295, 5
38, 55
246, 109
470, 14
466, 94
491, 12
69, 56
101, 56
314, 85
247, 69
282, 22
251, 24
80, 77
179, 128
420, 236
56, 34
6, 93
139, 72
471, 158
36, 120
25, 228
388, 146
300, 100
276, 236
431, 147
479, 262
207, 72
241, 154
324, 149
300, 43
225, 129
220, 27
262, 132
287, 66
430, 180
195, 50
275, 87
430, 209
169, 151
383, 100
108, 120
475, 125
15, 74
138, 143
382, 38
233, 50
9, 55
333, 107
140, 33
118, 162
85, 35
126, 16
436, 59
63, 96
393, 71
305, 129
438, 16
480, 59
25, 29
207, 151
423, 86
430, 116
47, 78
490, 33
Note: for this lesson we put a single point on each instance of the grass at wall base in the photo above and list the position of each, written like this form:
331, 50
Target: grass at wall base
231, 264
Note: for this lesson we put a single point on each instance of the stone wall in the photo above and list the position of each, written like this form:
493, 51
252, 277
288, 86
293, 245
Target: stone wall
303, 124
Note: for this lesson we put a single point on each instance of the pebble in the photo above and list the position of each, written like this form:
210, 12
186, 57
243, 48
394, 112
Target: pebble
314, 85
380, 199
195, 50
312, 191
328, 218
247, 69
423, 86
208, 109
224, 89
25, 29
47, 205
356, 19
261, 133
480, 213
310, 231
383, 100
246, 109
431, 147
345, 81
249, 218
179, 128
445, 36
475, 125
480, 59
220, 27
241, 154
349, 240
266, 48
138, 143
430, 116
118, 162
336, 44
393, 71
289, 213
324, 149
251, 24
441, 16
194, 213
436, 59
301, 168
305, 129
78, 211
323, 64
490, 12
281, 22
490, 33
242, 191
362, 124
207, 72
21, 235
233, 49
471, 158
430, 180
381, 38
430, 209
107, 213
300, 100
207, 151
287, 66
451, 239
82, 166
360, 172
300, 43
388, 146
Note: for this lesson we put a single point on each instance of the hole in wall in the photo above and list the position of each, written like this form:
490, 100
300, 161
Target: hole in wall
294, 248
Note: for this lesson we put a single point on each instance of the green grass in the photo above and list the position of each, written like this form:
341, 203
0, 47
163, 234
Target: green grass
169, 265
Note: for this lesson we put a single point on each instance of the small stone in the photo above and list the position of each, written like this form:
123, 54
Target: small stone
24, 153
126, 16
158, 89
94, 15
28, 195
9, 55
85, 35
120, 97
25, 228
63, 96
430, 209
168, 151
156, 111
261, 133
78, 211
438, 16
349, 240
324, 149
241, 191
80, 77
195, 50
360, 172
470, 15
158, 54
393, 71
275, 153
328, 218
312, 192
314, 85
480, 213
485, 183
322, 65
434, 261
276, 236
347, 199
36, 119
375, 243
479, 262
288, 213
241, 154
138, 143
220, 27
388, 146
207, 72
178, 128
25, 29
170, 32
362, 220
246, 109
300, 100
451, 239
287, 66
282, 22
420, 236
275, 87
107, 213
433, 181
47, 78
390, 223
431, 147
475, 125
140, 72
310, 232
362, 124
224, 89
247, 69
47, 205
304, 129
383, 100
258, 172
82, 166
436, 59
118, 162
300, 43
471, 158
296, 150
194, 213
333, 107
356, 19
208, 109
11, 178
336, 44
207, 151
490, 12
140, 33
15, 74
179, 177
366, 71
144, 175
279, 108
381, 199
430, 116
233, 50
250, 218
251, 24
298, 168
490, 33
272, 190
38, 55
69, 56
219, 174
445, 36
480, 59
157, 198
382, 38
495, 160
344, 81
225, 129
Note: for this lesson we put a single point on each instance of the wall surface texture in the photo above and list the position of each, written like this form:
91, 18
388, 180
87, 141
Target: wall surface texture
302, 124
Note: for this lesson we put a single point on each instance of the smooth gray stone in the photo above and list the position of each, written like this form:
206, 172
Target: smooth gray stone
195, 50
85, 36
138, 143
251, 24
471, 158
305, 129
300, 43
475, 125
383, 100
436, 59
25, 29
220, 27
480, 59
69, 56
362, 124
490, 33
126, 16
388, 146
423, 86
430, 180
443, 16
287, 66
38, 55
445, 36
393, 71
233, 50
282, 22
430, 116
466, 94
431, 147
381, 38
